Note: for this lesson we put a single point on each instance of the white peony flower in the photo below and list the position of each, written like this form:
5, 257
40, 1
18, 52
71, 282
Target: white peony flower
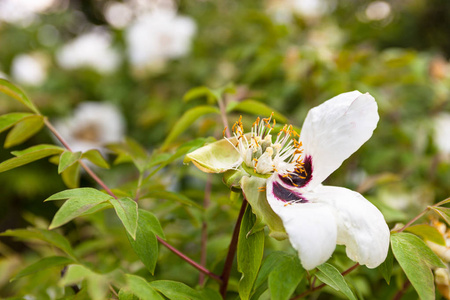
442, 134
92, 126
22, 12
282, 180
283, 10
29, 69
90, 50
158, 36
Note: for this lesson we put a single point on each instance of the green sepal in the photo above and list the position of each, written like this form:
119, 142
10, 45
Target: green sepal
216, 157
254, 191
232, 178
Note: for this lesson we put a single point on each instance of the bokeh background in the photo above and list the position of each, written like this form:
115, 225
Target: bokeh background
138, 58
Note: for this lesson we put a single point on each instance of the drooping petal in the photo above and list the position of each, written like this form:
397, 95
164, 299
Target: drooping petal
335, 129
311, 227
361, 226
253, 189
216, 157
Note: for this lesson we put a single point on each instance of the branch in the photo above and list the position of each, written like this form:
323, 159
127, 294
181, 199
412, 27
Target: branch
110, 192
232, 250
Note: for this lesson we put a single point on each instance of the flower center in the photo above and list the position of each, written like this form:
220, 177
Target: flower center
266, 156
89, 133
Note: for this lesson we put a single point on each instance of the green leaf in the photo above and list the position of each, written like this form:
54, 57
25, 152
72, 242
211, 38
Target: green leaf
161, 194
67, 159
249, 253
80, 202
141, 288
332, 277
29, 155
198, 92
186, 120
152, 223
416, 258
9, 120
32, 149
15, 92
268, 265
285, 277
95, 157
251, 187
45, 235
127, 211
146, 245
127, 295
130, 151
444, 212
256, 108
386, 267
42, 264
427, 232
71, 176
23, 130
175, 290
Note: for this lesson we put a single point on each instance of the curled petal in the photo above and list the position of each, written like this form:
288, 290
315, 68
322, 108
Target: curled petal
311, 227
361, 226
335, 129
216, 157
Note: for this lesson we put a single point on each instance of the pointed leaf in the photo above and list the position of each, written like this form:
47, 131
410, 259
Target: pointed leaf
141, 288
256, 108
285, 277
256, 197
67, 159
161, 194
71, 176
175, 290
332, 277
427, 232
95, 157
15, 92
23, 130
416, 258
29, 156
84, 193
9, 120
444, 212
146, 245
76, 206
186, 120
42, 264
249, 253
127, 211
48, 236
57, 149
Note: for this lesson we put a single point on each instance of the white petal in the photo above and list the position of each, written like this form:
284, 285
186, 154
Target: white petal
311, 228
361, 226
335, 129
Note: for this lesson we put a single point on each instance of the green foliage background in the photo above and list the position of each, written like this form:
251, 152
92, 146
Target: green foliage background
402, 60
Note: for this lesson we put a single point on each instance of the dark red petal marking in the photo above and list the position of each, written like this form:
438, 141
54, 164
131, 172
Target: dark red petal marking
302, 178
286, 195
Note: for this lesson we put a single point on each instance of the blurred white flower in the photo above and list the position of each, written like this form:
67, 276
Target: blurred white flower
93, 125
91, 50
158, 36
283, 10
442, 134
22, 12
29, 69
378, 10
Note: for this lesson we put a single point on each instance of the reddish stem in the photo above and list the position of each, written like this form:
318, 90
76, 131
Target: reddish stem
232, 250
